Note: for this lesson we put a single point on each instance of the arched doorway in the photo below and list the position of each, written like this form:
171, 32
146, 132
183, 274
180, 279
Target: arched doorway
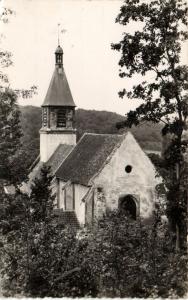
127, 205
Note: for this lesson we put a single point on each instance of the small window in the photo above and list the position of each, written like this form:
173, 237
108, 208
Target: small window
128, 169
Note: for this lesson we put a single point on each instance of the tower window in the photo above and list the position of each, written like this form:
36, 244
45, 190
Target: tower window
59, 58
61, 118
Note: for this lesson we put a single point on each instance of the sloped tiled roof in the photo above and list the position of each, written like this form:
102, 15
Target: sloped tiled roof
54, 162
67, 218
88, 156
36, 161
59, 156
35, 172
59, 93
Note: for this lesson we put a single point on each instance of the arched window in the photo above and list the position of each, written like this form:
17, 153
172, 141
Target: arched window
127, 205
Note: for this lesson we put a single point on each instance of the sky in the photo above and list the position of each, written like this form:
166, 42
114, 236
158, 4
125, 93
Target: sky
90, 64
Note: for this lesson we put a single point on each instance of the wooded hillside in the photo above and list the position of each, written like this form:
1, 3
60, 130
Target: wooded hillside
148, 135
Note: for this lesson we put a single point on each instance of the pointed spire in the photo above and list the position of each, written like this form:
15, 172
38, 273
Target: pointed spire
59, 93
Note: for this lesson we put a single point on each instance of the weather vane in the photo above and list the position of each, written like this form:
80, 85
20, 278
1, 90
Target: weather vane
59, 32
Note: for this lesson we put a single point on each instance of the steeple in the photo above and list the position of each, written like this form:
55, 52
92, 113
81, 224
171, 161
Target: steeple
59, 93
58, 112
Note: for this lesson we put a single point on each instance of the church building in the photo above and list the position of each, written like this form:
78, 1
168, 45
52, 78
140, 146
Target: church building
101, 172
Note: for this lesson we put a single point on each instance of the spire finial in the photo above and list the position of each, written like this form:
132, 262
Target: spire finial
58, 33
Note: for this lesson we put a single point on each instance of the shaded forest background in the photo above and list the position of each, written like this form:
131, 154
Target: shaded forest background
148, 135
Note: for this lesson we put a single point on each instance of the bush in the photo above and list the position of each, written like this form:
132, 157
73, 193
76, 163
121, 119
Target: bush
116, 257
130, 259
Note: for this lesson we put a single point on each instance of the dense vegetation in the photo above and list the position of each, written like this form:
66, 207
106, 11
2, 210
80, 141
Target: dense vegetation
116, 257
153, 50
148, 135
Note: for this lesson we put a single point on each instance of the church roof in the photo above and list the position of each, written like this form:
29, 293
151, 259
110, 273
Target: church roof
88, 156
59, 93
59, 156
54, 162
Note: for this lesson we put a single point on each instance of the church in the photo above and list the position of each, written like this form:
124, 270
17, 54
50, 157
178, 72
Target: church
100, 172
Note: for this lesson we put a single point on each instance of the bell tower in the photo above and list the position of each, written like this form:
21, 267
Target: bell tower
58, 112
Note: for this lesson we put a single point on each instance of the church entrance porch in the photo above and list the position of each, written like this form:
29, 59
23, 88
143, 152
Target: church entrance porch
128, 206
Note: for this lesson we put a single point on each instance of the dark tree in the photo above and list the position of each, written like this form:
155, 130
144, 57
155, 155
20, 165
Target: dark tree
12, 164
10, 132
41, 197
153, 51
25, 220
12, 172
40, 256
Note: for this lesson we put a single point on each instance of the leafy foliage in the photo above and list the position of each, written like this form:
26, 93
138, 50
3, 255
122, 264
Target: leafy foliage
10, 133
13, 167
154, 51
39, 256
24, 218
155, 48
12, 172
117, 257
12, 164
132, 259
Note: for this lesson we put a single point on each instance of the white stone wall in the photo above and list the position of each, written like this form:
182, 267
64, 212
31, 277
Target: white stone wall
61, 194
80, 192
113, 182
100, 202
140, 182
49, 141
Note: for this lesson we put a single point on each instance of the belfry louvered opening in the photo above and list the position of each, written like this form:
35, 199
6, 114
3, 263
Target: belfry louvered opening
61, 117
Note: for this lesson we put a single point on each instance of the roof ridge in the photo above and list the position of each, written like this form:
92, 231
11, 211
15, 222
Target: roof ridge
104, 134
